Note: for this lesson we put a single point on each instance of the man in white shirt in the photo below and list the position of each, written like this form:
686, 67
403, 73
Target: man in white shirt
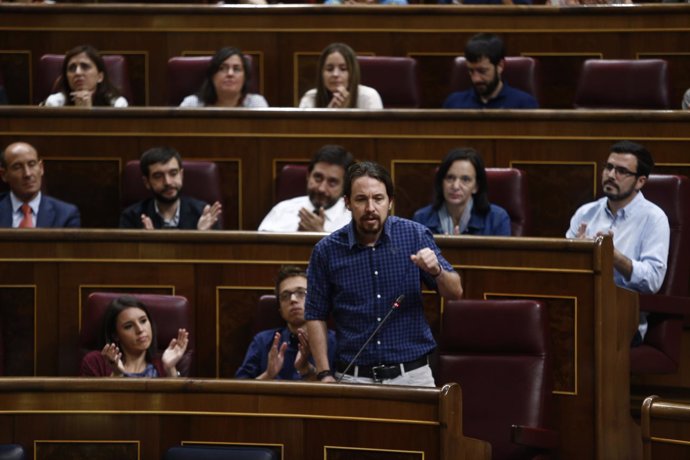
323, 208
640, 229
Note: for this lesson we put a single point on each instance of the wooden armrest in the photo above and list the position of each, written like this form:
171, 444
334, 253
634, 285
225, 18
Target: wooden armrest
668, 304
542, 438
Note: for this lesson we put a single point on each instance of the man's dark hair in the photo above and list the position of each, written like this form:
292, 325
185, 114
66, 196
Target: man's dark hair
645, 162
370, 169
481, 198
157, 155
485, 46
285, 272
334, 155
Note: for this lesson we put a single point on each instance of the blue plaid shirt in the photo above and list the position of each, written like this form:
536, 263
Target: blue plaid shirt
358, 285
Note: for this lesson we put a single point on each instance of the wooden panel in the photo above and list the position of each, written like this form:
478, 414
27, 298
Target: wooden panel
15, 67
17, 319
561, 151
562, 36
136, 418
223, 274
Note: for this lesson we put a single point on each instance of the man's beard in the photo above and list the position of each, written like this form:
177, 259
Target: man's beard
166, 199
490, 88
325, 203
620, 196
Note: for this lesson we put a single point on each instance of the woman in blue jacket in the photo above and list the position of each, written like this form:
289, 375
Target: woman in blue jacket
461, 204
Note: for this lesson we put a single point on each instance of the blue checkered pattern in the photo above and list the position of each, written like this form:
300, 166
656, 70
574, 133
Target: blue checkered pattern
358, 285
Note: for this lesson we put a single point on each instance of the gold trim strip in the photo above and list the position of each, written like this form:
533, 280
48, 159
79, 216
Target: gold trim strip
259, 136
274, 262
374, 449
670, 441
381, 30
222, 414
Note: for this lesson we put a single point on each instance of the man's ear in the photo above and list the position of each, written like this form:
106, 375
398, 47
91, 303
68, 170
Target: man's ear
146, 182
3, 173
500, 67
640, 182
347, 202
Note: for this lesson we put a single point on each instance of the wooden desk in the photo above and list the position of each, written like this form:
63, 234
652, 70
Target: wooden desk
47, 274
286, 40
665, 429
132, 419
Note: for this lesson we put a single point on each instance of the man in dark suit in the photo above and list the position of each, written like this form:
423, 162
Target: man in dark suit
162, 172
24, 206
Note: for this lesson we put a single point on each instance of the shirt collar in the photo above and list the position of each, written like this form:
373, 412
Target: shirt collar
17, 203
175, 221
334, 211
630, 208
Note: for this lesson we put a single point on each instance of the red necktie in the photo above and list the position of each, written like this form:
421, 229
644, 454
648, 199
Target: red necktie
27, 221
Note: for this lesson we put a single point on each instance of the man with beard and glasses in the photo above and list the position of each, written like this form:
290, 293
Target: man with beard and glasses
485, 55
356, 274
323, 208
161, 169
639, 228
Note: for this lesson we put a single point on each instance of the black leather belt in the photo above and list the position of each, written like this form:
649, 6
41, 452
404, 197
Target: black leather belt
383, 371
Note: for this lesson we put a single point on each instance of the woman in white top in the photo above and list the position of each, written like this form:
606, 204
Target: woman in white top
337, 82
84, 82
226, 82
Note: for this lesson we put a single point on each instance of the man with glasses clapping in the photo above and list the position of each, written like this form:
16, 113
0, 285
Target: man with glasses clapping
284, 353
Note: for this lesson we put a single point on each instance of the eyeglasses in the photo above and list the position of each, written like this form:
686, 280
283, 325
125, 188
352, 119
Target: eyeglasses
285, 296
450, 179
620, 170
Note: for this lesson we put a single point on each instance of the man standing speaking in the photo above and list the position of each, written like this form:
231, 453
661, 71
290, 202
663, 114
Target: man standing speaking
358, 272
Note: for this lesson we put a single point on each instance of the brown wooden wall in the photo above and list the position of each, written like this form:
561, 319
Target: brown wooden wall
287, 40
47, 274
561, 151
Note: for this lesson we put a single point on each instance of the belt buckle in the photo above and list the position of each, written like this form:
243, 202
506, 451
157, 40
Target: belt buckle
375, 373
381, 368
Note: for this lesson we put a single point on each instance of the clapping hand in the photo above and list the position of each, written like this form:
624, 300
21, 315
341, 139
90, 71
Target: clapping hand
174, 352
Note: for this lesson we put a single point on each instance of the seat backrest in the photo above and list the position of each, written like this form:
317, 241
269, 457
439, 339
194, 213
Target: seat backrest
500, 353
623, 84
169, 313
50, 71
201, 181
267, 314
672, 194
519, 72
186, 74
291, 182
508, 189
221, 453
395, 79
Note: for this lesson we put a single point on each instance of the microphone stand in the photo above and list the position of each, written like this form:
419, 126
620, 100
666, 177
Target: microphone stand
394, 307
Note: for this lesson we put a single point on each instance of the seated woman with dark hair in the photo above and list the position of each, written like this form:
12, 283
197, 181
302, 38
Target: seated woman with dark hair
226, 83
461, 203
129, 345
337, 82
84, 82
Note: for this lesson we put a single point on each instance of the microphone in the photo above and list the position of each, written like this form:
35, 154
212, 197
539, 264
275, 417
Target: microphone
395, 306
